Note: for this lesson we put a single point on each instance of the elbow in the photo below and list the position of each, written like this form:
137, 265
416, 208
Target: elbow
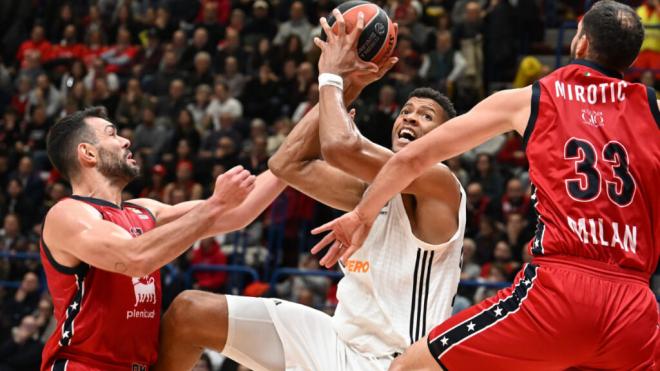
407, 160
277, 165
138, 265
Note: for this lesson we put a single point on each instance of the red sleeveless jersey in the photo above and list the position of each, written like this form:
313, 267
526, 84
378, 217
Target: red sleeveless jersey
105, 320
593, 145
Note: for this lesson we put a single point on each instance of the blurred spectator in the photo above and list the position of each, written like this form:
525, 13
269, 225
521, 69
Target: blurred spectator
454, 164
119, 58
32, 183
486, 239
168, 72
45, 94
75, 75
500, 45
297, 25
233, 77
443, 66
149, 138
99, 70
486, 173
649, 55
529, 70
504, 258
11, 237
307, 105
199, 106
36, 43
185, 183
283, 127
518, 234
156, 184
209, 252
306, 290
150, 56
214, 13
63, 19
200, 43
202, 73
169, 106
22, 350
131, 104
44, 318
103, 96
230, 47
496, 274
223, 102
469, 269
260, 26
477, 206
514, 200
68, 48
260, 95
18, 203
256, 160
24, 301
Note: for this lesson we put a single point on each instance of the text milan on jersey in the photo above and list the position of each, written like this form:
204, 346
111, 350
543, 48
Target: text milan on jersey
592, 231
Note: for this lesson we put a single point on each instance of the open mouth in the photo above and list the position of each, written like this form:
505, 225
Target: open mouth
407, 135
129, 156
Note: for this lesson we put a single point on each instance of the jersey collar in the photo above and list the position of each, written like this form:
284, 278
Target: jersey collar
96, 201
599, 68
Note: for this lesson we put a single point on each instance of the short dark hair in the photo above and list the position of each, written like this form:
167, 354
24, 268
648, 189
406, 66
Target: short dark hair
438, 97
615, 34
64, 137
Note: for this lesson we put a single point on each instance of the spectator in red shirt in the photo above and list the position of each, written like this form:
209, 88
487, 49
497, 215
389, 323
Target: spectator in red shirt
120, 57
209, 252
37, 42
68, 48
504, 258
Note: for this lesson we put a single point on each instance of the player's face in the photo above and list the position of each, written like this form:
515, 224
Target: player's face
417, 117
115, 160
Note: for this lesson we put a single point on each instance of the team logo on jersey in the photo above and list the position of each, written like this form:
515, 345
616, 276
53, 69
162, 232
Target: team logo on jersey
145, 290
357, 266
592, 118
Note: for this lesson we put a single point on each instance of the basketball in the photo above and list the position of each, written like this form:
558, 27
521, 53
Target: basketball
378, 38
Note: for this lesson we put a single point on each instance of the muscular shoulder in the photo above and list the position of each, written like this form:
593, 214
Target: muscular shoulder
67, 214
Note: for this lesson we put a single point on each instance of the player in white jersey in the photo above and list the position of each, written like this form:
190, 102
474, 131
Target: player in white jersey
400, 283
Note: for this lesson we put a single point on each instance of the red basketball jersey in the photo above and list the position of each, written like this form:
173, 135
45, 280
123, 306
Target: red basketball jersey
105, 320
593, 144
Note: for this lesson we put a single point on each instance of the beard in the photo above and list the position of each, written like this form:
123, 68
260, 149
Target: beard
116, 167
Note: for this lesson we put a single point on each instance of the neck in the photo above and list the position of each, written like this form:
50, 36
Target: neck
98, 186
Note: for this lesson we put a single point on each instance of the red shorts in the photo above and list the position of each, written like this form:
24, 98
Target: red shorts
555, 316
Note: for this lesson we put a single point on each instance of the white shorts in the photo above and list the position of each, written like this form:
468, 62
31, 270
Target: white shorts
274, 334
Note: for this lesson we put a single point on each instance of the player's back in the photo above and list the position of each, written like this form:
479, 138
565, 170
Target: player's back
105, 320
594, 153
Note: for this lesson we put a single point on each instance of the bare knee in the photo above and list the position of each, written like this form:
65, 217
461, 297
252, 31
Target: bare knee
194, 314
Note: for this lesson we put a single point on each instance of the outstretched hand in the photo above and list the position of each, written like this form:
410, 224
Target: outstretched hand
347, 234
339, 53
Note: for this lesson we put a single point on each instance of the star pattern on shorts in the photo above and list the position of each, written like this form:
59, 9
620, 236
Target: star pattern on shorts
65, 335
74, 305
498, 311
527, 282
444, 341
470, 326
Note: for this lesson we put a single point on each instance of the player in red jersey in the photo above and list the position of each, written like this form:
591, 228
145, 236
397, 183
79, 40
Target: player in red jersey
593, 146
102, 255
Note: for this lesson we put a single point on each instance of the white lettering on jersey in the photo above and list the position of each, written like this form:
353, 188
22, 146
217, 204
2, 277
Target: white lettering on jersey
622, 236
593, 93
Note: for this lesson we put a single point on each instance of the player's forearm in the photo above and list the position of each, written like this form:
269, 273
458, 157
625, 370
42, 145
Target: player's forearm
174, 212
267, 188
299, 147
337, 133
161, 245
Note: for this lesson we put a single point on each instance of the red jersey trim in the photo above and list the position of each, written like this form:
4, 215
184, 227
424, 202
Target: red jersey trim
79, 269
536, 98
96, 201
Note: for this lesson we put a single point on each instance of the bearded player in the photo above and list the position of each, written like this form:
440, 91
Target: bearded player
593, 145
102, 255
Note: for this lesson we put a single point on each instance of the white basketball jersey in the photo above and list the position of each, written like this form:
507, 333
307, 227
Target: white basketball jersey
396, 287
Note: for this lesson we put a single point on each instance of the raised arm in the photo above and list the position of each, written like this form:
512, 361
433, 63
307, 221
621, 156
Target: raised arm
298, 162
75, 232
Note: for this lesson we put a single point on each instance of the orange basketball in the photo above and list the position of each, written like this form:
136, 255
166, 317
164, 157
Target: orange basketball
378, 38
